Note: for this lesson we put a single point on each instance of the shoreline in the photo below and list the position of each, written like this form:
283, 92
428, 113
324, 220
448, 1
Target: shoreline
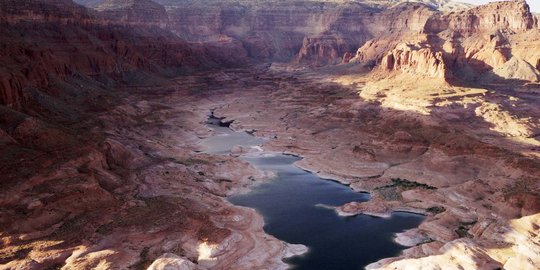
288, 249
297, 164
394, 147
147, 165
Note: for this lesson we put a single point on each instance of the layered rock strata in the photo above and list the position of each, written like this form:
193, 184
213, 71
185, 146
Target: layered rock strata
98, 129
475, 44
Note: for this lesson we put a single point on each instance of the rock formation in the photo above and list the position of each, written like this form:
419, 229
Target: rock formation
510, 16
403, 23
517, 69
416, 61
134, 11
313, 33
469, 43
101, 110
92, 47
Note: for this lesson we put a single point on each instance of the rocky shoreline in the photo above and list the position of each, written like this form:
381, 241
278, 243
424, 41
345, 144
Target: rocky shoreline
448, 224
102, 110
154, 194
149, 167
151, 161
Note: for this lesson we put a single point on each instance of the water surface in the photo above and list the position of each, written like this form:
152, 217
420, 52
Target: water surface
291, 207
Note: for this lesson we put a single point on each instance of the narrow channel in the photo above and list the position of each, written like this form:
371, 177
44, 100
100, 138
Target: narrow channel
291, 205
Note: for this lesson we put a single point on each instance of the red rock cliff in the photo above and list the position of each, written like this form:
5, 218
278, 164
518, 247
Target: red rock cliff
513, 16
470, 44
416, 60
47, 40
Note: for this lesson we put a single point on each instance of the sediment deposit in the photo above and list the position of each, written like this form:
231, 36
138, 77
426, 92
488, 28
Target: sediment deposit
101, 111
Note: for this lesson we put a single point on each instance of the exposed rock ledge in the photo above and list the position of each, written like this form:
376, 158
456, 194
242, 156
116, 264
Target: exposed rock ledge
416, 59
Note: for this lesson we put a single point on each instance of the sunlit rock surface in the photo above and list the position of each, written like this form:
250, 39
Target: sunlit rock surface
101, 111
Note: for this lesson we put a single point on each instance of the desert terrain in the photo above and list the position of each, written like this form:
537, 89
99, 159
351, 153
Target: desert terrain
431, 107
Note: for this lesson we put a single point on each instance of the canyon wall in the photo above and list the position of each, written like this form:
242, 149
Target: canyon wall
508, 16
134, 12
321, 32
313, 33
474, 44
47, 40
473, 41
415, 61
78, 164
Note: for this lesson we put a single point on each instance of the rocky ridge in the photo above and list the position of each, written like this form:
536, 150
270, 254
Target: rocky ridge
472, 44
94, 48
318, 33
312, 32
97, 130
134, 12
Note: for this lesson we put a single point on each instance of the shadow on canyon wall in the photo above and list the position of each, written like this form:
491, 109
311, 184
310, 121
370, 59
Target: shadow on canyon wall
75, 155
80, 169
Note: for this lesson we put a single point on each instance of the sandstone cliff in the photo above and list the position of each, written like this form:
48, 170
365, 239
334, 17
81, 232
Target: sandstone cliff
95, 47
471, 43
403, 23
307, 32
415, 60
509, 16
97, 133
134, 11
322, 32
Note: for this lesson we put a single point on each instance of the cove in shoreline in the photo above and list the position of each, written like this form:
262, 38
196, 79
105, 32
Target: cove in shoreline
291, 206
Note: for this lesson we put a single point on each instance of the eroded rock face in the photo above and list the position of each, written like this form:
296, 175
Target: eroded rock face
321, 33
471, 44
98, 158
513, 16
402, 23
323, 50
172, 262
63, 11
134, 11
74, 41
276, 30
310, 33
517, 69
415, 60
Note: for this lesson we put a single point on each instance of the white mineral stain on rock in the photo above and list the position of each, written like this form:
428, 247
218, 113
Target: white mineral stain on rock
205, 251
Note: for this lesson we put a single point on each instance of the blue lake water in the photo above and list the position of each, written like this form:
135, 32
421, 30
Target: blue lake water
291, 205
